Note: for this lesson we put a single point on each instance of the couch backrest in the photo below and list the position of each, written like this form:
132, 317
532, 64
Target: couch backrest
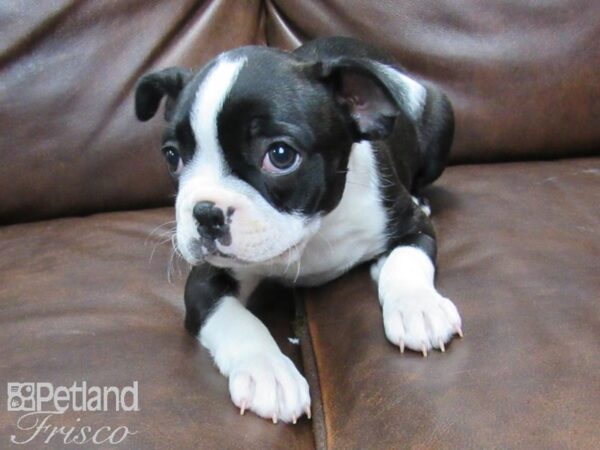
70, 142
523, 78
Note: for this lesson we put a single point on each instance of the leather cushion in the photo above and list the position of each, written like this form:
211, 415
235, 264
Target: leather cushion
70, 142
519, 246
90, 300
522, 76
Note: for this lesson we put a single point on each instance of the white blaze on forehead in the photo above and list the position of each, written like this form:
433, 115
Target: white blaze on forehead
207, 105
207, 168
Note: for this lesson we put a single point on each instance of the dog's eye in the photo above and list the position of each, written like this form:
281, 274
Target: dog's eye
280, 159
173, 159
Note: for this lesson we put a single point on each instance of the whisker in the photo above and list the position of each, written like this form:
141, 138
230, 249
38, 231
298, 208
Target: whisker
155, 229
289, 262
298, 270
176, 256
165, 239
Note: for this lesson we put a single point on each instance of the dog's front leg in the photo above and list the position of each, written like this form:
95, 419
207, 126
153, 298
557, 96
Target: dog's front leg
261, 378
415, 315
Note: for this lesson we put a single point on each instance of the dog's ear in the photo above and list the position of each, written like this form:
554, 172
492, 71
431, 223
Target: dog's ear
374, 94
363, 95
152, 87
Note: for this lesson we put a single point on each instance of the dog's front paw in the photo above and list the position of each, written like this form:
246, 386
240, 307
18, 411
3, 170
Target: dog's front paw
270, 385
420, 319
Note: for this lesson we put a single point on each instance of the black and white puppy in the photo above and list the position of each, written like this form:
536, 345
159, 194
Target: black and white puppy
297, 167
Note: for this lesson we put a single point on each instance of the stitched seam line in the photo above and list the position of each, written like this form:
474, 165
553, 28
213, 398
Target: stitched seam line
311, 371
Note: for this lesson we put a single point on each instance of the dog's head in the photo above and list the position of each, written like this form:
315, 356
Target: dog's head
259, 140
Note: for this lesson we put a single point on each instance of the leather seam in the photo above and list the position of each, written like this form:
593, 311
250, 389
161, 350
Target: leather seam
311, 371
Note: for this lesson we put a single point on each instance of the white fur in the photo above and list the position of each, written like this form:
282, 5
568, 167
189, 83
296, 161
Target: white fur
259, 232
267, 242
412, 92
261, 378
352, 233
415, 315
207, 167
208, 161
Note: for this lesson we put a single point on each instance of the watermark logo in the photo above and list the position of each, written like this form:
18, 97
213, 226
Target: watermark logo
21, 396
40, 403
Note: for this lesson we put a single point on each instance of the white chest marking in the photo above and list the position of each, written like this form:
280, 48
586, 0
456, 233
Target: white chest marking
352, 233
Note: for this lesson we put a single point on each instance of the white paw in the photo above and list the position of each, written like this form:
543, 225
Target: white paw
420, 319
269, 385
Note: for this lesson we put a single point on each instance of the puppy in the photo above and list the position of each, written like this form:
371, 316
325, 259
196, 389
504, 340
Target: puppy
297, 166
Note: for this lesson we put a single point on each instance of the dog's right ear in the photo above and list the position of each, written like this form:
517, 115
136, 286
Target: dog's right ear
152, 87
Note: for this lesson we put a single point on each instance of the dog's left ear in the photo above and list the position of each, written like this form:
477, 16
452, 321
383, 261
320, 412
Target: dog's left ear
363, 94
152, 87
374, 94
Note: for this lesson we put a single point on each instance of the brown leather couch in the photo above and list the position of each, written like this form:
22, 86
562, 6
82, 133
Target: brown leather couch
88, 291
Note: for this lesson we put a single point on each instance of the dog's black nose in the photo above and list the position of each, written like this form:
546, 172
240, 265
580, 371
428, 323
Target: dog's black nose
210, 219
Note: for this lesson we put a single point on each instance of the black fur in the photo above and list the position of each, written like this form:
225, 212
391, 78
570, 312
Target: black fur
151, 88
413, 155
293, 112
319, 99
205, 286
422, 241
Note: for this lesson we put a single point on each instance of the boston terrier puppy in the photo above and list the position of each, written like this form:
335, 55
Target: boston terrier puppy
297, 166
